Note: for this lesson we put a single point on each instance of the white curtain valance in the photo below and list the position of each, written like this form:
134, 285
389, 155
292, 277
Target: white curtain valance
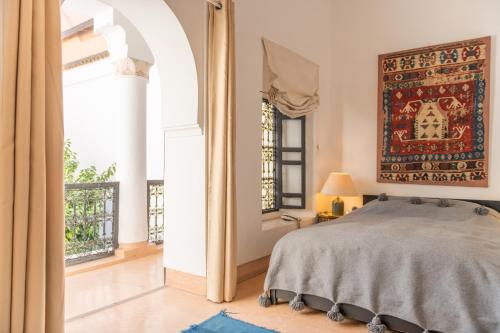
291, 82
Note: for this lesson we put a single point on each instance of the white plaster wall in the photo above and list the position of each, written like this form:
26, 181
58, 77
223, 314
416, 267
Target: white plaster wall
185, 178
277, 22
155, 136
193, 17
162, 31
305, 29
91, 111
136, 45
90, 114
363, 30
185, 231
180, 63
131, 171
92, 96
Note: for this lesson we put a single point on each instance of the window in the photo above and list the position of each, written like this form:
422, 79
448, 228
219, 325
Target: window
283, 160
269, 158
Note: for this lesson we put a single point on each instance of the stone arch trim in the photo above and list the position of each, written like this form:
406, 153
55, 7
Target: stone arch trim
168, 42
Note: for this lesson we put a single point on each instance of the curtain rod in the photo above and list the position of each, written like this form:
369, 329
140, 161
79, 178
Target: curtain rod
216, 3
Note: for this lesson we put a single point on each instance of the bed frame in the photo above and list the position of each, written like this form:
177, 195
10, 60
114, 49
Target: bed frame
355, 312
348, 310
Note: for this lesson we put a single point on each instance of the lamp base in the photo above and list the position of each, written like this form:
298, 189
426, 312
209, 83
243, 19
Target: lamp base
338, 207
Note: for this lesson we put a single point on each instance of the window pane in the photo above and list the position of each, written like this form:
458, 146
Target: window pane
292, 201
269, 180
292, 179
287, 156
292, 134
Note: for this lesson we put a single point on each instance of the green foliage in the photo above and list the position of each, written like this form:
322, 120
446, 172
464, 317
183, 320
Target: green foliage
87, 175
85, 210
70, 163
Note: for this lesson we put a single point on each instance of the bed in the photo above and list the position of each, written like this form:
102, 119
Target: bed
405, 264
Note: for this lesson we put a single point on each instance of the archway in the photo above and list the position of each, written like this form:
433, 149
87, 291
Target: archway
157, 23
135, 39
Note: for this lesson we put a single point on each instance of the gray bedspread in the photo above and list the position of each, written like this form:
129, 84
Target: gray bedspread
436, 267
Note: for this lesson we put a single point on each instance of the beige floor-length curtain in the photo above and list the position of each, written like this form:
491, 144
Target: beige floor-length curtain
31, 168
221, 235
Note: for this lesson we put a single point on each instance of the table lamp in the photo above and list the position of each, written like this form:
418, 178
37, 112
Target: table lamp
339, 184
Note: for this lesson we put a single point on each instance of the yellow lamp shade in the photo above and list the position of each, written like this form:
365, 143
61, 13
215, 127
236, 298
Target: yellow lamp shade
339, 184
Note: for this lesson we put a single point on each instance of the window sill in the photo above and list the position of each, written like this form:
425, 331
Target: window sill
278, 223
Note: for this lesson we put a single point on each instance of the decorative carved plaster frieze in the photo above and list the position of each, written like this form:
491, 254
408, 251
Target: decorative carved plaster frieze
86, 60
133, 67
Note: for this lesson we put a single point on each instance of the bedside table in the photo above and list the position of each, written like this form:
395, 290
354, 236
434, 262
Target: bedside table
325, 216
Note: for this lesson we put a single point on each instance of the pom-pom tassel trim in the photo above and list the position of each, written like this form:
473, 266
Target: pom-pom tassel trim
376, 325
382, 197
264, 300
481, 211
416, 201
443, 203
296, 303
334, 313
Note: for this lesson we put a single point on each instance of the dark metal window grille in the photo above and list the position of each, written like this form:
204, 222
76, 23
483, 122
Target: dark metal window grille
91, 217
155, 211
276, 161
269, 157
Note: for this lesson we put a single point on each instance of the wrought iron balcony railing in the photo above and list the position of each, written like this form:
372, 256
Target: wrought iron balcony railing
155, 211
91, 216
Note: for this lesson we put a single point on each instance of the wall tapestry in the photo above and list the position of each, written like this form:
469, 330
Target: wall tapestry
433, 115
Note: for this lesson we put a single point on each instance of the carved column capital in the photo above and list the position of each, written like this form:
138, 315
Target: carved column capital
133, 67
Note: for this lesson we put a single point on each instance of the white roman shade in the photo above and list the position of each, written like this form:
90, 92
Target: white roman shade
291, 82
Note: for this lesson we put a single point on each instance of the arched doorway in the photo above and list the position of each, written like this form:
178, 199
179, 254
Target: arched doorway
124, 60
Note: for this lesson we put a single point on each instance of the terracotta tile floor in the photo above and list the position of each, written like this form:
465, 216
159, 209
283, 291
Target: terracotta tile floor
96, 289
170, 310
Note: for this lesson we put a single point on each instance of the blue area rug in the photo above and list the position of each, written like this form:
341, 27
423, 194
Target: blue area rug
222, 323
